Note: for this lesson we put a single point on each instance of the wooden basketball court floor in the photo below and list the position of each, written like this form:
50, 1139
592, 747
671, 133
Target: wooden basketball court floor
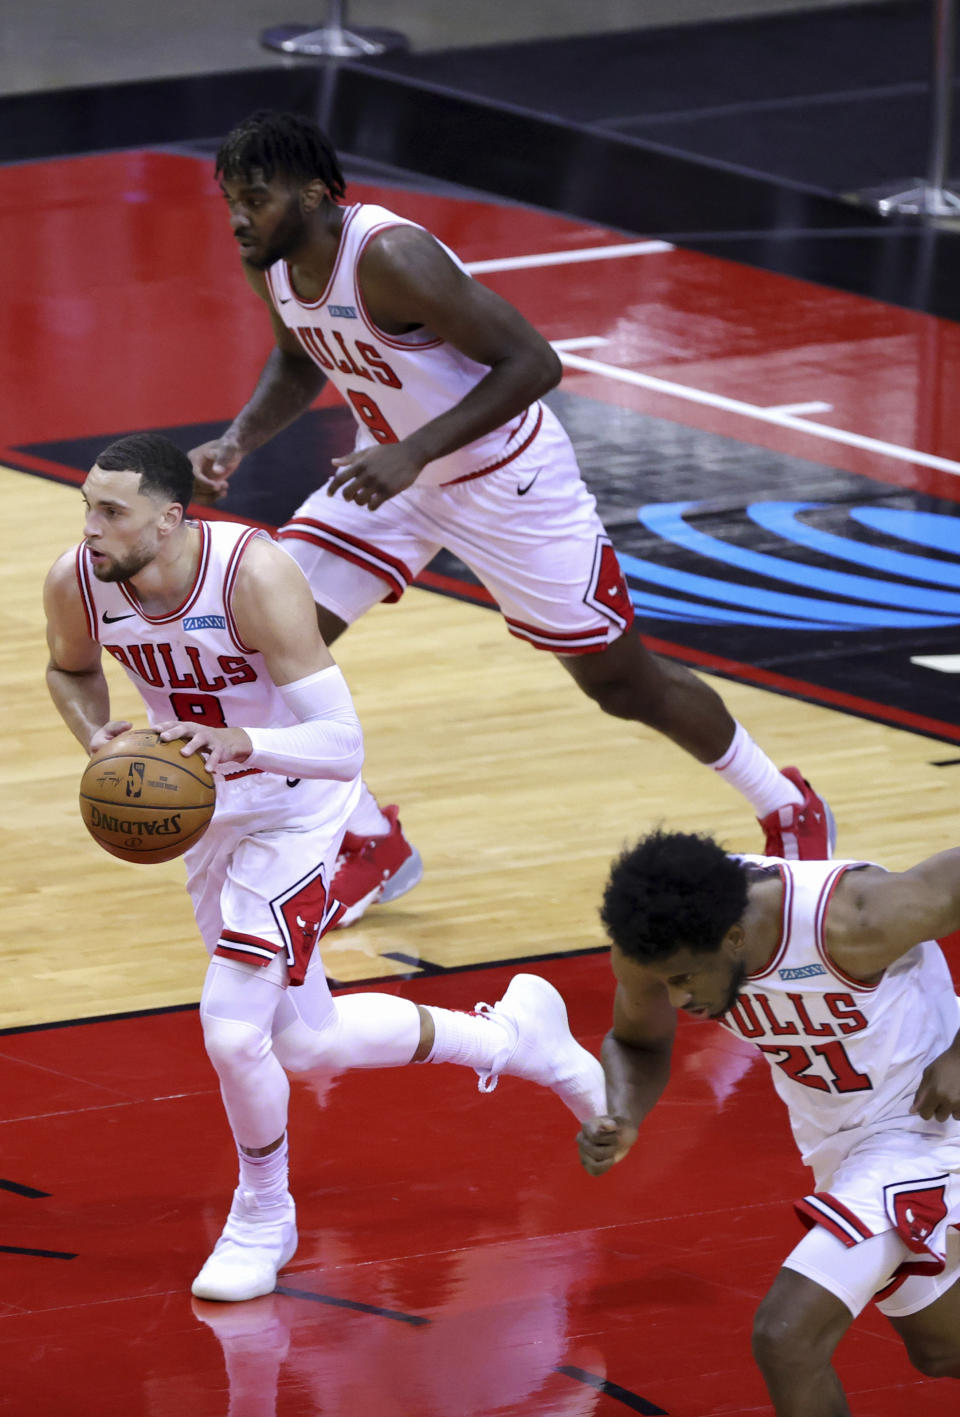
454, 1259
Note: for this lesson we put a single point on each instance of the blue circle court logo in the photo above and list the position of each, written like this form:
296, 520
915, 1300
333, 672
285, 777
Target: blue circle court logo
889, 569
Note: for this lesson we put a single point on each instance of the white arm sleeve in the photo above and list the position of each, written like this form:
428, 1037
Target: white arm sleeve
326, 742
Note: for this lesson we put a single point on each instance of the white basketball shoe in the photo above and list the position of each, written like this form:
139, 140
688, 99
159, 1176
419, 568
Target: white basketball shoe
542, 1049
256, 1242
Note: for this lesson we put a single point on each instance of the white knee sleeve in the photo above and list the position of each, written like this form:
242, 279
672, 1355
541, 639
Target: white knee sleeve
236, 1010
234, 1048
313, 1031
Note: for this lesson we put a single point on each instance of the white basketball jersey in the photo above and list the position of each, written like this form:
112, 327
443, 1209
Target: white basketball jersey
393, 384
191, 663
846, 1056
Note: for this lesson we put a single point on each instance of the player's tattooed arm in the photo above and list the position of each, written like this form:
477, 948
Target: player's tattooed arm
288, 384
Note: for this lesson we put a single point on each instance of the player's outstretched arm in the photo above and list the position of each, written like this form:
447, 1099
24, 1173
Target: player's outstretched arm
636, 1058
75, 676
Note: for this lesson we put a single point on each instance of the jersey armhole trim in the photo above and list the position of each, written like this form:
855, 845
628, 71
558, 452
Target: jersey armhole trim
229, 584
409, 343
786, 925
86, 595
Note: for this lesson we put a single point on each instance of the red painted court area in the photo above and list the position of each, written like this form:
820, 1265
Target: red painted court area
125, 263
136, 313
455, 1261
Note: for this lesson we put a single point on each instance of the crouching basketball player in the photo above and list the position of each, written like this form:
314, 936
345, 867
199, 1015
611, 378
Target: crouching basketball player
840, 960
215, 626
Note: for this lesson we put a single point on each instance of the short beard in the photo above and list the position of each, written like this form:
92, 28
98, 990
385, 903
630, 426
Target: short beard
733, 993
291, 234
123, 570
261, 263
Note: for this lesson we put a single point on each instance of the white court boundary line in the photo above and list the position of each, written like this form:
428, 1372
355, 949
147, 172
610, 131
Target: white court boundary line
775, 416
943, 663
562, 258
815, 407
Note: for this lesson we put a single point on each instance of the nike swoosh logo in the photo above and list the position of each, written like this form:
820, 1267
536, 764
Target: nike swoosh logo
110, 619
292, 781
522, 491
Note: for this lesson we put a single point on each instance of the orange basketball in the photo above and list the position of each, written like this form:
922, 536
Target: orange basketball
142, 801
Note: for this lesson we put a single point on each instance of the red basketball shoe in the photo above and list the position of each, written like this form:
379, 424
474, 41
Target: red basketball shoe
373, 869
804, 831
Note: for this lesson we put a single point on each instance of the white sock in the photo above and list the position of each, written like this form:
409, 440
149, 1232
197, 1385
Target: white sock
266, 1176
366, 819
746, 767
472, 1040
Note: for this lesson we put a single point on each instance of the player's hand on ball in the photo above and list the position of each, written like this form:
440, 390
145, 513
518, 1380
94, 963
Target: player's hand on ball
218, 745
109, 731
140, 800
603, 1142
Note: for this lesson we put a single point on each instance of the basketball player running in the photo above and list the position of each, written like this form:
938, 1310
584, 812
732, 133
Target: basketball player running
832, 970
214, 625
453, 450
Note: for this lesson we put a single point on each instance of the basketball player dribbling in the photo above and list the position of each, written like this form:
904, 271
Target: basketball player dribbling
832, 970
454, 450
214, 625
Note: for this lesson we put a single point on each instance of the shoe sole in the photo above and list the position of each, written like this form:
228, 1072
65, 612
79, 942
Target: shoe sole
795, 776
409, 875
208, 1291
360, 907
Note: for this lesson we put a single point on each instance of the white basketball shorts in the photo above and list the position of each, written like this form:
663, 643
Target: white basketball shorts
529, 531
906, 1186
259, 876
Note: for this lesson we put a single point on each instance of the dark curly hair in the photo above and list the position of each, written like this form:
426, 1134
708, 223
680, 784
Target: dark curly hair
280, 144
164, 470
671, 891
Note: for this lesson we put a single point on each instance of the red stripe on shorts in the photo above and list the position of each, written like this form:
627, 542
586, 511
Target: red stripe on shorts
247, 949
562, 641
350, 548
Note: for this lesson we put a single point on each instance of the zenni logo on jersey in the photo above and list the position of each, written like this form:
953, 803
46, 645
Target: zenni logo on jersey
204, 622
342, 312
805, 971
